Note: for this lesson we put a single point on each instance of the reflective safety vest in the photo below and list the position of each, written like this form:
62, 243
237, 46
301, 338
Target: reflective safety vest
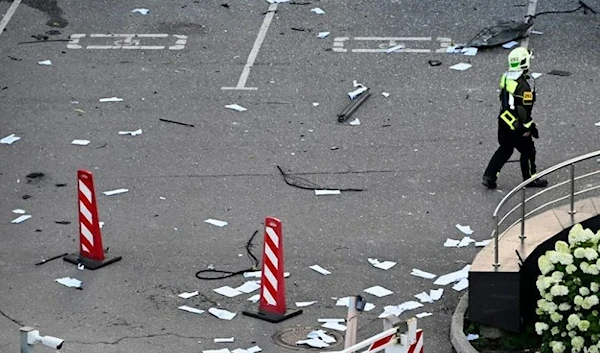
510, 99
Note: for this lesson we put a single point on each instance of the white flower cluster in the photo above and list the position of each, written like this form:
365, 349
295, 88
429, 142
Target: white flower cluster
570, 288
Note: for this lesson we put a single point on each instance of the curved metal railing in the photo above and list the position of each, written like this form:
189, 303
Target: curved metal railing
524, 199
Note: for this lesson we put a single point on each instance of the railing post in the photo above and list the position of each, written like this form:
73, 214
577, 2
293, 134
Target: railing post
496, 260
522, 236
572, 210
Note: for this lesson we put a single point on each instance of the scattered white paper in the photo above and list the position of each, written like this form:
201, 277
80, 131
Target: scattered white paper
80, 267
237, 107
303, 304
355, 122
327, 192
141, 11
254, 349
190, 309
423, 274
10, 139
223, 350
378, 291
320, 269
597, 124
224, 340
345, 301
436, 294
472, 337
461, 285
537, 32
222, 314
385, 94
313, 342
255, 298
228, 291
69, 282
80, 142
101, 224
216, 222
451, 243
115, 192
330, 320
536, 75
465, 229
317, 10
422, 315
452, 50
315, 104
360, 88
21, 219
469, 51
248, 287
323, 34
396, 310
186, 295
322, 335
334, 326
385, 265
510, 44
45, 62
483, 243
111, 99
424, 297
394, 48
369, 307
18, 211
453, 276
132, 133
465, 241
461, 67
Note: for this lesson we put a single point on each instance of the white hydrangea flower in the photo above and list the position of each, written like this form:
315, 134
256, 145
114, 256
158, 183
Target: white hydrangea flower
566, 258
584, 291
584, 266
571, 269
557, 347
593, 270
540, 327
574, 234
550, 306
557, 290
573, 320
572, 334
545, 265
594, 349
543, 283
577, 343
579, 253
556, 317
593, 299
553, 256
578, 300
555, 331
561, 247
563, 334
591, 254
557, 276
564, 307
548, 297
583, 325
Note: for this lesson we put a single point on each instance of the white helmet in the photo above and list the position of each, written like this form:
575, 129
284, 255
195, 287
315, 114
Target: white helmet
518, 59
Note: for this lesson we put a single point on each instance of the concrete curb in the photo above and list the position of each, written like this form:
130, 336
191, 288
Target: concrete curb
457, 336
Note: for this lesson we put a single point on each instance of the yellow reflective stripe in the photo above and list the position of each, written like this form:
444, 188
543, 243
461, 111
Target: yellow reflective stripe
528, 125
511, 85
508, 119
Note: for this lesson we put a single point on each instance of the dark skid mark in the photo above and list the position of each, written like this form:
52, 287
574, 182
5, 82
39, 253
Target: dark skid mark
50, 8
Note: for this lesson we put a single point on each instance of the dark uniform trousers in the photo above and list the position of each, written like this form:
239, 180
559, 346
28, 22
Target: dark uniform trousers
509, 140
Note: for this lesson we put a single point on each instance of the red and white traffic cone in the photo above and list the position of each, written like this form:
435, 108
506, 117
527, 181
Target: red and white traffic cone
91, 252
272, 307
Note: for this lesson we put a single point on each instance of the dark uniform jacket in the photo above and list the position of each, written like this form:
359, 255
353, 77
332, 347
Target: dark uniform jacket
516, 98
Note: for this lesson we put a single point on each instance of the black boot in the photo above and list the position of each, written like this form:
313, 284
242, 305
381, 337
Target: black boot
538, 183
489, 182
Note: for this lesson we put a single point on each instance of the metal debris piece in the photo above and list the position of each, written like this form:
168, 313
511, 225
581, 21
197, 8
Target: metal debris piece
353, 105
435, 62
503, 32
559, 73
175, 122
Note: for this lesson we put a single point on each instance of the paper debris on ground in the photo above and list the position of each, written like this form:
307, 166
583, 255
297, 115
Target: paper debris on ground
597, 124
385, 265
216, 222
334, 326
237, 107
253, 349
21, 219
323, 34
111, 99
396, 310
132, 133
327, 192
422, 315
423, 274
461, 285
228, 291
385, 94
224, 340
536, 74
465, 229
101, 224
394, 48
453, 49
537, 32
469, 51
486, 242
141, 11
461, 67
115, 192
69, 282
80, 267
45, 62
223, 350
345, 301
248, 287
317, 10
255, 298
276, 1
321, 335
186, 295
18, 211
465, 241
424, 297
222, 314
10, 139
360, 88
511, 44
313, 342
378, 291
80, 142
436, 294
303, 304
330, 320
189, 309
315, 104
320, 269
451, 243
355, 122
453, 276
472, 336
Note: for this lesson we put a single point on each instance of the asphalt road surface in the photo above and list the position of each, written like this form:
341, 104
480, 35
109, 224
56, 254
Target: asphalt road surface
418, 155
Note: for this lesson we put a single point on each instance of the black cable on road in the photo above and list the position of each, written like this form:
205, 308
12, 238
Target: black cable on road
222, 274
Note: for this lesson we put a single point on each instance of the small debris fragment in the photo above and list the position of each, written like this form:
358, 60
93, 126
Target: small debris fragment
465, 229
237, 107
320, 269
132, 133
355, 122
21, 219
378, 291
323, 34
228, 291
327, 192
453, 276
424, 297
18, 211
461, 285
175, 122
322, 335
385, 265
537, 32
313, 342
248, 287
115, 192
472, 337
484, 243
423, 274
255, 298
470, 51
451, 243
216, 222
360, 88
186, 295
141, 11
224, 340
559, 73
396, 310
45, 62
315, 104
465, 241
190, 309
385, 94
334, 326
303, 304
394, 48
434, 62
80, 267
318, 11
222, 314
62, 222
422, 315
10, 139
436, 294
461, 67
111, 99
80, 142
510, 44
69, 282
535, 75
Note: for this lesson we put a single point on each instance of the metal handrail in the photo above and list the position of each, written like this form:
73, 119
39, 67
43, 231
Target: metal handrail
521, 187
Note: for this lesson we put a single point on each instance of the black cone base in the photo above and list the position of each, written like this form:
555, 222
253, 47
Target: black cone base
272, 317
90, 264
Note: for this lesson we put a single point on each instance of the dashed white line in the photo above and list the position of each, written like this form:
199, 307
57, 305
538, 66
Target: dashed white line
9, 14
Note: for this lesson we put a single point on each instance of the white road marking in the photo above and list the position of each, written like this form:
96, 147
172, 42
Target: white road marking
9, 14
530, 12
262, 33
127, 41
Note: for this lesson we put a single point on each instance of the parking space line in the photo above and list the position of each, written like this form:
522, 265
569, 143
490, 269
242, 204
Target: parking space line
530, 12
9, 14
262, 33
